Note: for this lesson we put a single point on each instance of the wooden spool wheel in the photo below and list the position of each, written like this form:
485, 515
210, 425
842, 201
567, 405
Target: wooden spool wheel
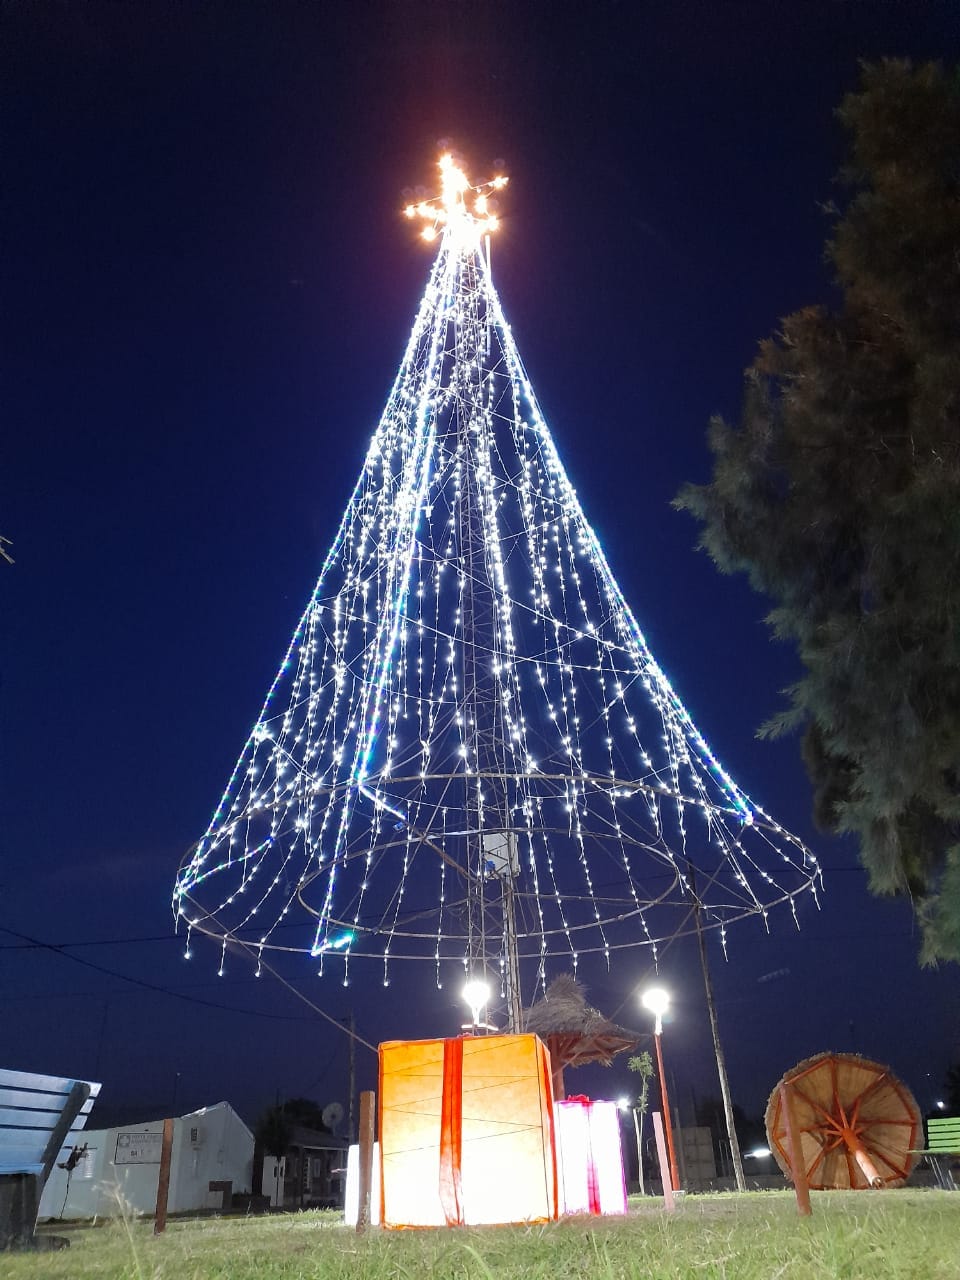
858, 1125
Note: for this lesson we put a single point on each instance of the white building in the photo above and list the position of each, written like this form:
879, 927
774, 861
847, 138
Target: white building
212, 1158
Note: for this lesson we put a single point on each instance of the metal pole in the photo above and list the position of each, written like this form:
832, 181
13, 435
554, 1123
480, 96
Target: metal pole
717, 1047
511, 958
351, 1133
665, 1100
481, 705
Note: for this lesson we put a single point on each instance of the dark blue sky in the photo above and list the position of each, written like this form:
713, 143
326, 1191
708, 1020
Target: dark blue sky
206, 291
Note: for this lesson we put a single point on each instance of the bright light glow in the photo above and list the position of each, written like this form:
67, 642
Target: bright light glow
476, 993
448, 211
941, 1105
623, 1104
758, 1153
656, 1000
467, 666
338, 944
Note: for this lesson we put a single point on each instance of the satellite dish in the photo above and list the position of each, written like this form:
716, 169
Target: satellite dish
331, 1115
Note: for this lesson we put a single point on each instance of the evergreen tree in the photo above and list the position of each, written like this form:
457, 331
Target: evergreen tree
838, 494
274, 1127
952, 1085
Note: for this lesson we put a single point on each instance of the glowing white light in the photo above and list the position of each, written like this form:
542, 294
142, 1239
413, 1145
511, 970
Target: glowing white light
656, 1000
476, 993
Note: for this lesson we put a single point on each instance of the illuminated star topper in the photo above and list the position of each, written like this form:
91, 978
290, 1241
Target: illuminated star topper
461, 207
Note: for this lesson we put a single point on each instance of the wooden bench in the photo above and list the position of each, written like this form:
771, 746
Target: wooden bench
38, 1114
943, 1147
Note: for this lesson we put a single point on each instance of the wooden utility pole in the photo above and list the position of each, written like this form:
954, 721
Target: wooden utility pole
163, 1184
717, 1047
367, 1138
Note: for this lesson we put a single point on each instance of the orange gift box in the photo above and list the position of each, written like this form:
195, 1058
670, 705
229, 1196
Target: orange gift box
466, 1132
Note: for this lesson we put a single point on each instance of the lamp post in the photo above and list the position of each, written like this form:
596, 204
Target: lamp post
657, 1001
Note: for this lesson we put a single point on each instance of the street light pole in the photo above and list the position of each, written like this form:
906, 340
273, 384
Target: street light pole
657, 1001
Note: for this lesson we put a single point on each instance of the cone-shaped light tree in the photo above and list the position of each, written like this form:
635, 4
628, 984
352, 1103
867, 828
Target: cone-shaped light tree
469, 755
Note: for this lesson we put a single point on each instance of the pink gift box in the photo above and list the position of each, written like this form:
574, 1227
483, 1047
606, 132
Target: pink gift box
589, 1157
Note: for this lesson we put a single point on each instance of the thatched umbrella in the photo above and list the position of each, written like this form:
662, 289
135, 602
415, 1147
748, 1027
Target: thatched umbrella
575, 1032
857, 1124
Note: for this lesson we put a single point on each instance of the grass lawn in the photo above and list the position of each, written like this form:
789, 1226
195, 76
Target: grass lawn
890, 1235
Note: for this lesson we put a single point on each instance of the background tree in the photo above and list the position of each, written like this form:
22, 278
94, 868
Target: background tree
952, 1087
273, 1131
838, 494
710, 1112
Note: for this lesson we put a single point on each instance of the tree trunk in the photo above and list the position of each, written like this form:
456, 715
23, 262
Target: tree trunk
638, 1126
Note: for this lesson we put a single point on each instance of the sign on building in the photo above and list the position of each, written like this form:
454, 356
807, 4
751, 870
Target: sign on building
138, 1148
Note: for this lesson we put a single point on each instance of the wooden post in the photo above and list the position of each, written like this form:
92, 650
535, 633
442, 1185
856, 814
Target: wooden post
163, 1186
795, 1151
668, 1201
368, 1101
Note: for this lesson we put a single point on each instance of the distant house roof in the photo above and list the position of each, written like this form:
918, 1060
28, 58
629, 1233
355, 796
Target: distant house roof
316, 1139
216, 1106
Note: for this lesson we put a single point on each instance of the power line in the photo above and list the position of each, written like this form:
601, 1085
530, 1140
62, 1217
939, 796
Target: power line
58, 949
236, 944
87, 942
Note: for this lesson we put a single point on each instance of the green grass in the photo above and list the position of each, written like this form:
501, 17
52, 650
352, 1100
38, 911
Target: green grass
892, 1235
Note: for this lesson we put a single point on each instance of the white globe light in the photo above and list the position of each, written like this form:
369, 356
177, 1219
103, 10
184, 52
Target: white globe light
656, 1000
476, 992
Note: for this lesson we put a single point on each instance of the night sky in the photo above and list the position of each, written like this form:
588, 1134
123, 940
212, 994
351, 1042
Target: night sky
207, 288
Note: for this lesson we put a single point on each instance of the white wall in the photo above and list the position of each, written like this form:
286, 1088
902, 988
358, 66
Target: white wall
104, 1185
